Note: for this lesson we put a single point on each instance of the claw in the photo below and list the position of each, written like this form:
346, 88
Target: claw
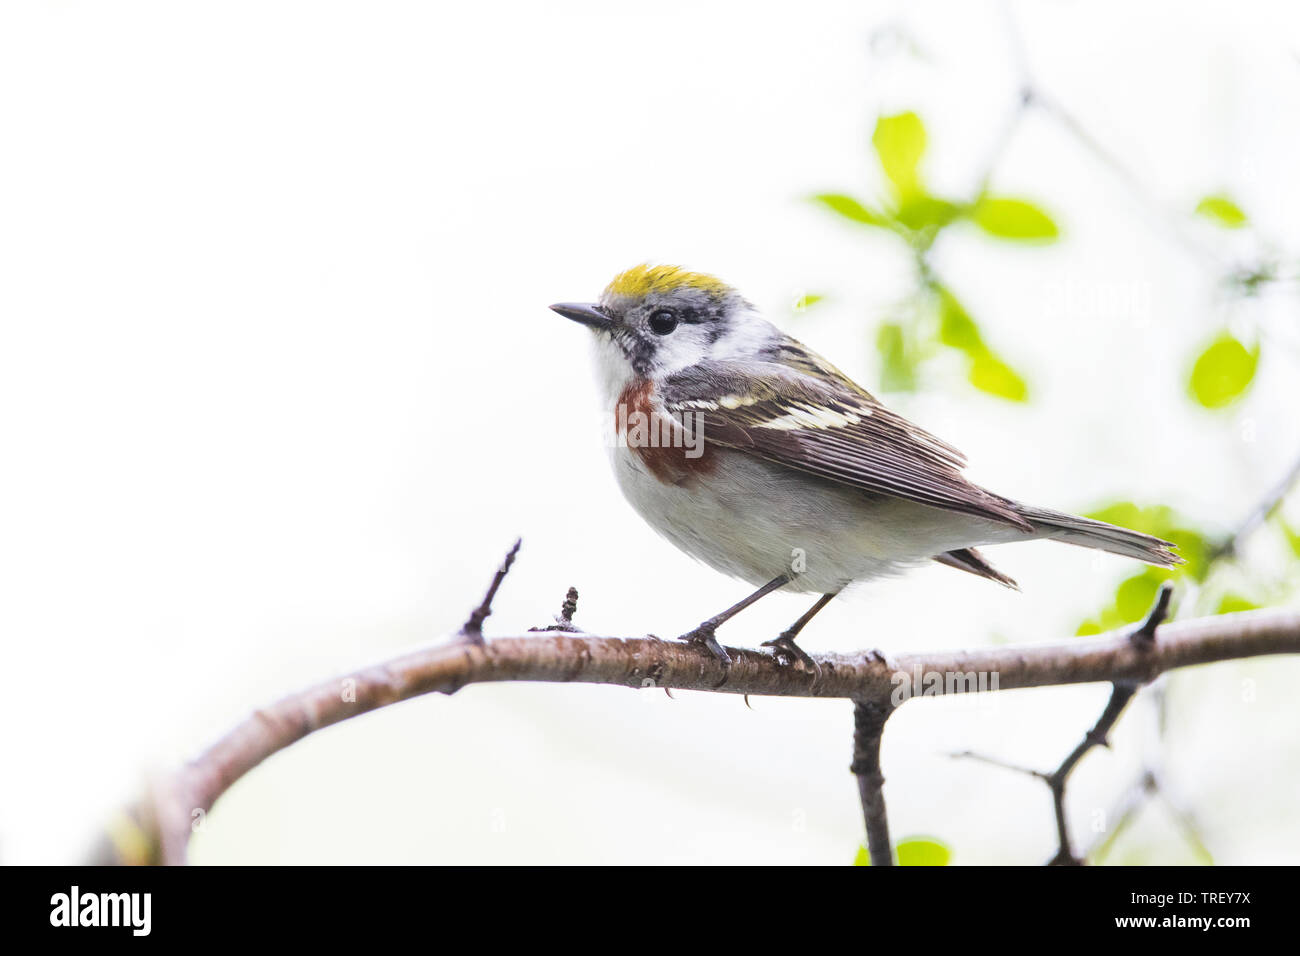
704, 636
785, 647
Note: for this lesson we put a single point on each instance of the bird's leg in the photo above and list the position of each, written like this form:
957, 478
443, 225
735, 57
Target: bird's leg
785, 643
705, 633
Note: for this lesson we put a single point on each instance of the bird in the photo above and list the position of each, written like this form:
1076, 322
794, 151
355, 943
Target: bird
753, 454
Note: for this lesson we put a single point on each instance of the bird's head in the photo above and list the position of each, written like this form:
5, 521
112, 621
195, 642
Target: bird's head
652, 321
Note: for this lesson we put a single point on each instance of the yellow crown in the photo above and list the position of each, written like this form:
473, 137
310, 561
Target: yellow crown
642, 280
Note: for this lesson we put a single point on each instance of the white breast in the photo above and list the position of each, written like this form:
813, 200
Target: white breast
755, 520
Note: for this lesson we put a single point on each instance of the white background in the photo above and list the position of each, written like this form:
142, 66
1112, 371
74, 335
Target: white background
278, 387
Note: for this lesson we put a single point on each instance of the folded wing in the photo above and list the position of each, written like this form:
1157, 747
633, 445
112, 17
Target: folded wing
827, 426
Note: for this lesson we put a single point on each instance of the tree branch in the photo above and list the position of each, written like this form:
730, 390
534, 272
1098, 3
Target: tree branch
868, 727
1120, 695
641, 662
1122, 692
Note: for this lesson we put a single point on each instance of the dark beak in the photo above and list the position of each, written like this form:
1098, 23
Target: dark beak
584, 312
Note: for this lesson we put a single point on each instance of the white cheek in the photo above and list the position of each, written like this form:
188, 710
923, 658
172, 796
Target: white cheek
613, 371
748, 336
681, 349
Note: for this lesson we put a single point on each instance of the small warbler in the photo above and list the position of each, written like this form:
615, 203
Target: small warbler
755, 455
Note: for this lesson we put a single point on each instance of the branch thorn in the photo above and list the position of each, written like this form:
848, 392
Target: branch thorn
564, 620
1146, 634
472, 630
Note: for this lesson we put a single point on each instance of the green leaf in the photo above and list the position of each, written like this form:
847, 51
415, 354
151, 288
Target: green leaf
987, 372
1230, 603
850, 208
914, 851
899, 141
1013, 219
1223, 371
807, 301
898, 367
1192, 548
990, 374
1222, 211
1133, 601
922, 212
956, 328
922, 851
1137, 594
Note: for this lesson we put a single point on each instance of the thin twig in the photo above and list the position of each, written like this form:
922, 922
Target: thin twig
1145, 634
1147, 785
868, 727
1143, 639
995, 762
1098, 736
473, 629
1131, 805
1271, 501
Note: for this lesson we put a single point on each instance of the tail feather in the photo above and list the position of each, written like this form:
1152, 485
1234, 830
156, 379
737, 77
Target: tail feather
1087, 533
968, 559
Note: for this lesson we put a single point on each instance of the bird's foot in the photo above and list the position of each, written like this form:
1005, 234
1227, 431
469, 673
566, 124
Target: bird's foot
705, 636
784, 648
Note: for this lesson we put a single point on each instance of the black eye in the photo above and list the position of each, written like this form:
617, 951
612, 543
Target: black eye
662, 321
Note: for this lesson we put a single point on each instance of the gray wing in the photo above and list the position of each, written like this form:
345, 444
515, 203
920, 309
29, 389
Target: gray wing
826, 425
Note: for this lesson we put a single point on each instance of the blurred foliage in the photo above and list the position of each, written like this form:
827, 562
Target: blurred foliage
935, 320
1136, 593
1222, 210
1250, 280
1221, 374
987, 372
1292, 536
1013, 219
898, 358
923, 851
1207, 561
1223, 371
913, 851
1230, 603
900, 142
